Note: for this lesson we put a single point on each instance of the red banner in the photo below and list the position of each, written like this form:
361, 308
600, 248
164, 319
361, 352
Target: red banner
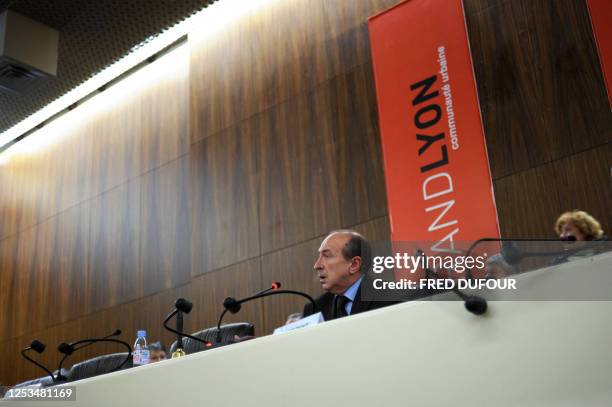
436, 168
601, 20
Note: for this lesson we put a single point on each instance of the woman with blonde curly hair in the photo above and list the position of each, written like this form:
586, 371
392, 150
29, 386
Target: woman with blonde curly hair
578, 225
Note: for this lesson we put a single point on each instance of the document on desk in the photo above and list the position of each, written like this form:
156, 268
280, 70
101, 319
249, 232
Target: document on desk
313, 319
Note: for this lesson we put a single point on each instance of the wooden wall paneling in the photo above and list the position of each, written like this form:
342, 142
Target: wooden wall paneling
348, 41
115, 274
258, 60
294, 268
45, 181
68, 272
585, 182
8, 285
32, 265
165, 109
45, 175
533, 62
375, 230
224, 199
359, 163
8, 351
9, 211
528, 203
165, 227
509, 83
25, 189
73, 159
575, 104
239, 281
117, 135
299, 190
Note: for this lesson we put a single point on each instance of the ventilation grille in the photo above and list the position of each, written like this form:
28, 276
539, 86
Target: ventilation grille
17, 78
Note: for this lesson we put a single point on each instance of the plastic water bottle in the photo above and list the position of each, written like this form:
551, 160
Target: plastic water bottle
140, 354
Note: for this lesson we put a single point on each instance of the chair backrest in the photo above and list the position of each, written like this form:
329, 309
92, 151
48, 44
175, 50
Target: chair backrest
210, 334
44, 380
97, 366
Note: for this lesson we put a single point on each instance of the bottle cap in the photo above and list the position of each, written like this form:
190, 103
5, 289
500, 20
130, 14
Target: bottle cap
142, 333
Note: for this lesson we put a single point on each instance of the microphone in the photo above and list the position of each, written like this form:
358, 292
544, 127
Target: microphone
233, 305
473, 303
513, 255
182, 306
179, 338
38, 347
69, 348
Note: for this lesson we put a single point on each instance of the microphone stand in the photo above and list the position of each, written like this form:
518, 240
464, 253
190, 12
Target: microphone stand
178, 333
71, 348
233, 305
512, 254
23, 353
473, 303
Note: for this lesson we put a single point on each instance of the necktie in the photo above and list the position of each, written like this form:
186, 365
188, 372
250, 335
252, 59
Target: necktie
340, 302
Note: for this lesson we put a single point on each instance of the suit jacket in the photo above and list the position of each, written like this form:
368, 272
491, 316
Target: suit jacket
325, 304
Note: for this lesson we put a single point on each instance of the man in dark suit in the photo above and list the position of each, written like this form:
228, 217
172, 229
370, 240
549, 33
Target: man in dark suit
344, 258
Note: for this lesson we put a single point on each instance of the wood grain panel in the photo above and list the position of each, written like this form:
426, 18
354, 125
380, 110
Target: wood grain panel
224, 199
165, 227
293, 267
299, 190
375, 230
239, 281
281, 50
48, 173
8, 285
258, 60
66, 277
9, 210
117, 136
8, 372
359, 164
34, 249
114, 272
532, 62
165, 130
348, 43
527, 203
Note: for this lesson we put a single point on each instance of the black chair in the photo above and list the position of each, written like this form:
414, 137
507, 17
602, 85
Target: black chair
98, 366
44, 380
227, 336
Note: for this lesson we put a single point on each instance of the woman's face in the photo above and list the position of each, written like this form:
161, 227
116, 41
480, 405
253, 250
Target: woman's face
569, 229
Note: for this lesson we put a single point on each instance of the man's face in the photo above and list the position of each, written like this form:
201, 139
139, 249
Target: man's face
336, 274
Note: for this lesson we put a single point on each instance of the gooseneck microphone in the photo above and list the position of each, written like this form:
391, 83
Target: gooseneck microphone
513, 255
233, 305
69, 348
473, 303
182, 306
179, 338
38, 347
